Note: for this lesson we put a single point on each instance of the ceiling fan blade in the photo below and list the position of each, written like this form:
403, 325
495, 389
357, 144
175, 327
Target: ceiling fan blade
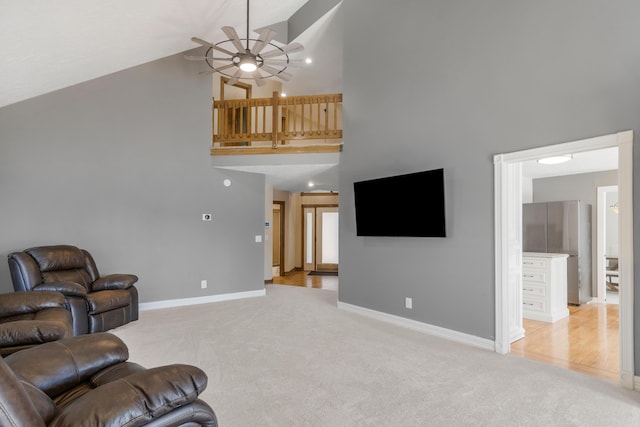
211, 45
236, 76
233, 36
222, 50
200, 58
276, 72
290, 48
200, 41
282, 62
258, 78
224, 67
265, 37
217, 69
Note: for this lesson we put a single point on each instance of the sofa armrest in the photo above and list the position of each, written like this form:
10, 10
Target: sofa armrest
140, 397
114, 281
69, 289
16, 303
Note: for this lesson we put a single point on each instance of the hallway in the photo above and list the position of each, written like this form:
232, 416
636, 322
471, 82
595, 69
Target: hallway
302, 278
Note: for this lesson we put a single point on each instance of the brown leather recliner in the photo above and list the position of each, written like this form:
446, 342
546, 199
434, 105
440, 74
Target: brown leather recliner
87, 381
32, 318
97, 304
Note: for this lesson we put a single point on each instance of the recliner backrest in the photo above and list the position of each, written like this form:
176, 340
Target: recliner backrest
62, 263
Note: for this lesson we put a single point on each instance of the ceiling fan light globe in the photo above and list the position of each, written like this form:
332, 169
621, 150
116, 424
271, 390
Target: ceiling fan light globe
248, 66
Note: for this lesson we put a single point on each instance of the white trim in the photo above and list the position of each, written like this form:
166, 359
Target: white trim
601, 241
420, 326
624, 142
180, 302
502, 334
573, 147
625, 258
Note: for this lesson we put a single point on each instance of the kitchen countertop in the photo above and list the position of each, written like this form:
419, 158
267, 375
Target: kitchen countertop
545, 255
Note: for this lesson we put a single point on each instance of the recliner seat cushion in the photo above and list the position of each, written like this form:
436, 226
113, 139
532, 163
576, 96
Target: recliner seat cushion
78, 276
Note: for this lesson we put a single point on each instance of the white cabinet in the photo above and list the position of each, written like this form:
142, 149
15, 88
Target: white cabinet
544, 286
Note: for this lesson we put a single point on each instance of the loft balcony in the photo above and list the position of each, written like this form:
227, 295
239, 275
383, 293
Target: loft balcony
277, 125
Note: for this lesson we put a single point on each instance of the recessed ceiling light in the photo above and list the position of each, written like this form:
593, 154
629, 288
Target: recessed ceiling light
555, 160
308, 60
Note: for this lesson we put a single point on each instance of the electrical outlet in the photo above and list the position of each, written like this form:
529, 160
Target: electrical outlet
203, 284
408, 303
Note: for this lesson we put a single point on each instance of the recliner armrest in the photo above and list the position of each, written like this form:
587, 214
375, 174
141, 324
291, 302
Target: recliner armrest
70, 289
15, 303
140, 397
114, 281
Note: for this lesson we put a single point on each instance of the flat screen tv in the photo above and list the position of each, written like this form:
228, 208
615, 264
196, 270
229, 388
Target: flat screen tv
411, 205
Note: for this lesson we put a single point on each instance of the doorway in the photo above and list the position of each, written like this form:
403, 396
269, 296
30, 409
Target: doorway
277, 239
234, 120
508, 240
320, 238
608, 245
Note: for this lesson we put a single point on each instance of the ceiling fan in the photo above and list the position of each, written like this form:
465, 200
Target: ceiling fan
243, 61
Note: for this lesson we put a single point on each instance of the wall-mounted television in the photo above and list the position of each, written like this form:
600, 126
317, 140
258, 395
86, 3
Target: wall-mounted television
410, 205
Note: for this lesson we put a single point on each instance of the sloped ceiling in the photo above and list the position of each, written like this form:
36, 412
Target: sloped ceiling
50, 45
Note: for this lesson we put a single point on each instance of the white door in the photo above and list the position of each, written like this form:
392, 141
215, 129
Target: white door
320, 238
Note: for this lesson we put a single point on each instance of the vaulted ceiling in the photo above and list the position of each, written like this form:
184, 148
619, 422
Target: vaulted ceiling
50, 45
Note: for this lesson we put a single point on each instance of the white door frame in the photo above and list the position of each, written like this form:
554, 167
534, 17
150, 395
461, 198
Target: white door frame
506, 253
601, 239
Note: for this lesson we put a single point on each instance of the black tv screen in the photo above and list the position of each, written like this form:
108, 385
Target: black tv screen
411, 205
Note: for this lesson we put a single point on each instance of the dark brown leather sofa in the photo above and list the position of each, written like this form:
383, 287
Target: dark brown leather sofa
32, 318
97, 304
87, 381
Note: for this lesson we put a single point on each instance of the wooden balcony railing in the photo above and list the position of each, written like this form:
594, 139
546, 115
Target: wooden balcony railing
295, 124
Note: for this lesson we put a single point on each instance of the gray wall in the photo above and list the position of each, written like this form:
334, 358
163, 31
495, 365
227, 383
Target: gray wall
583, 187
440, 83
120, 166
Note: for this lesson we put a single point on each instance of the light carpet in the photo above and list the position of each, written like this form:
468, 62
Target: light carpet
291, 358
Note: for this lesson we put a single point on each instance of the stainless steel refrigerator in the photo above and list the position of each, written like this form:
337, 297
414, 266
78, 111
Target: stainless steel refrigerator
563, 228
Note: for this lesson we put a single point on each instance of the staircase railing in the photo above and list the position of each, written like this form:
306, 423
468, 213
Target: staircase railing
294, 124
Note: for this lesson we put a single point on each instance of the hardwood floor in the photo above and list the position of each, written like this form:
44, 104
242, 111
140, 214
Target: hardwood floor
302, 278
587, 341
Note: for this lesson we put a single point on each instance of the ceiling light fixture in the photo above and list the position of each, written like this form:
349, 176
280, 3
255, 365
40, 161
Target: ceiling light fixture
555, 160
247, 62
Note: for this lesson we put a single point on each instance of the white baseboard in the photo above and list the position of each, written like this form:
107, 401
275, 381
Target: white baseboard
200, 300
636, 383
421, 327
